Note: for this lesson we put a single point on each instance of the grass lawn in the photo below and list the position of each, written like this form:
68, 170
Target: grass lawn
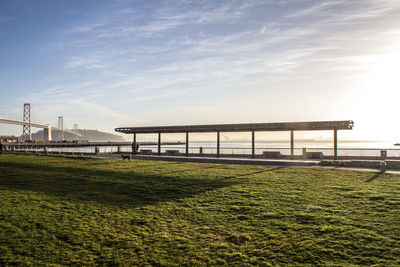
66, 211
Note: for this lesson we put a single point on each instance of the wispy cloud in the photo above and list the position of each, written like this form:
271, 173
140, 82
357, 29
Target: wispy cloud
123, 56
85, 62
346, 10
278, 48
320, 8
127, 25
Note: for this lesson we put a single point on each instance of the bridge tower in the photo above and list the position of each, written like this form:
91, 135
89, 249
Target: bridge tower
47, 133
26, 130
61, 126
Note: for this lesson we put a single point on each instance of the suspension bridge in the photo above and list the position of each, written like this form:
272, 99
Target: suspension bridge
27, 125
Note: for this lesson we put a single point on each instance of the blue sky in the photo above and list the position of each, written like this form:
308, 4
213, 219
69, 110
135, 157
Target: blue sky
106, 64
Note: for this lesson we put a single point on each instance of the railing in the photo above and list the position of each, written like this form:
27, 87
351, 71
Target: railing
342, 152
195, 150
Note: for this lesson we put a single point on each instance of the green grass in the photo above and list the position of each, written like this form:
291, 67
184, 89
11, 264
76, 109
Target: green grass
66, 211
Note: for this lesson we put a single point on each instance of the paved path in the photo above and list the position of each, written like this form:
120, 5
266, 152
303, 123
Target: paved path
222, 160
244, 161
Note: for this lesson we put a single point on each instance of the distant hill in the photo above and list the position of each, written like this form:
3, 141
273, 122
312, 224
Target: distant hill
90, 135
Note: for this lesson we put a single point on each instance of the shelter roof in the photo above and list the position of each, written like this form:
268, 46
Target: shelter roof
242, 127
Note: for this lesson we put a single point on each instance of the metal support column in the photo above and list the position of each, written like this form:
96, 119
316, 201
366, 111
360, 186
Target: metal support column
335, 148
134, 145
218, 144
252, 144
187, 144
292, 143
159, 144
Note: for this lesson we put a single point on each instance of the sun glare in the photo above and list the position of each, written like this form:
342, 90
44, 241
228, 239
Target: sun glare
380, 96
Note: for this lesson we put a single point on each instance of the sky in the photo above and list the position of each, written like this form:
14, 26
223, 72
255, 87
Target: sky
107, 64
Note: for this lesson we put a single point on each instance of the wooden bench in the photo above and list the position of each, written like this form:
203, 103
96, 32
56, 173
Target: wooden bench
271, 154
172, 152
146, 151
314, 155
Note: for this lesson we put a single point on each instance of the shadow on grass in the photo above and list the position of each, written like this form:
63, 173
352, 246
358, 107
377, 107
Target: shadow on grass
373, 178
241, 175
116, 188
276, 168
191, 169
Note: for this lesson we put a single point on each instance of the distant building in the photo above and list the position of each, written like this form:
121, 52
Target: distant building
8, 139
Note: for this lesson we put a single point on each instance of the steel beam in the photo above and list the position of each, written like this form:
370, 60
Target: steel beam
218, 144
252, 144
187, 144
159, 144
61, 126
335, 144
27, 128
292, 143
134, 145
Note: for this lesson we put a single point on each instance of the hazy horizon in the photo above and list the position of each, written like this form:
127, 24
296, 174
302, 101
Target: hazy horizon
241, 137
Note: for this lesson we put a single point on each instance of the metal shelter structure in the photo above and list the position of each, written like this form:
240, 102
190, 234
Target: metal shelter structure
242, 127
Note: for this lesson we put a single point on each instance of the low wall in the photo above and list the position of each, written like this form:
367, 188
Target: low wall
369, 164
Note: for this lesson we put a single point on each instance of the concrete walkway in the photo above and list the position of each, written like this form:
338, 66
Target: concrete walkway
236, 161
222, 160
246, 161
